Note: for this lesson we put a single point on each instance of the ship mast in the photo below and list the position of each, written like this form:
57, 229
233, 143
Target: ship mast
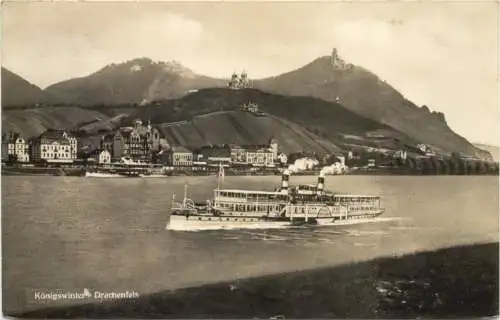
185, 195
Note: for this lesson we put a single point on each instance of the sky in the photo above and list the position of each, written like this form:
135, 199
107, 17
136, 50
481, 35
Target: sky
441, 54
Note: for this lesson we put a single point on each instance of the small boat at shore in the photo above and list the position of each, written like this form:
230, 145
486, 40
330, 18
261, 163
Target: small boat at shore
286, 206
113, 175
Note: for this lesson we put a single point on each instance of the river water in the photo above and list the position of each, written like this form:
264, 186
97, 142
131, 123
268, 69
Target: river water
70, 233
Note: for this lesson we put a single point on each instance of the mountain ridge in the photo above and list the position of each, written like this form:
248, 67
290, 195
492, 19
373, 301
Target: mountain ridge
141, 81
17, 91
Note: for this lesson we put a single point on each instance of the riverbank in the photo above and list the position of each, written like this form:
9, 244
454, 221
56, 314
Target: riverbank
80, 171
43, 171
452, 282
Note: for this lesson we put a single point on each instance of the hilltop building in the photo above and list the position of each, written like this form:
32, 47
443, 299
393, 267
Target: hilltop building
337, 62
250, 107
239, 81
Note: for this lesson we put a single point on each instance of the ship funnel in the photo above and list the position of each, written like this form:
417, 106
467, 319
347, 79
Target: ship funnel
284, 181
321, 185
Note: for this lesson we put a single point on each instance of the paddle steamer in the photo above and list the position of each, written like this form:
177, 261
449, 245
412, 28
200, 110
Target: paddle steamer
286, 206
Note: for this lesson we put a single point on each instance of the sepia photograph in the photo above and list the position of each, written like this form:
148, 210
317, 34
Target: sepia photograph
250, 159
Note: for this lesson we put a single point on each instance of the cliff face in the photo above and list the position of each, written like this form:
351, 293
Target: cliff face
331, 79
17, 92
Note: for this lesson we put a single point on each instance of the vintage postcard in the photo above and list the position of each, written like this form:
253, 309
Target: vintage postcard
265, 160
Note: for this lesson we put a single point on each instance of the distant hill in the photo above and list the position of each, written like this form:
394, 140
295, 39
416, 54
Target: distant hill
328, 78
493, 150
213, 116
16, 91
331, 79
135, 81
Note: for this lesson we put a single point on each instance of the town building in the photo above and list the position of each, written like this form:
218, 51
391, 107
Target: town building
5, 148
371, 163
15, 147
214, 155
256, 155
101, 157
238, 155
351, 155
137, 142
260, 157
273, 147
179, 157
107, 142
400, 154
54, 146
282, 158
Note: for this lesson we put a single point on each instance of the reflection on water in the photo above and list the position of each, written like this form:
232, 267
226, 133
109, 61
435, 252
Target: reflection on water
109, 234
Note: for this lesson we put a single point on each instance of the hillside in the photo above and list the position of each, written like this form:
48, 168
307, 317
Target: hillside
328, 78
493, 150
136, 81
244, 129
32, 122
16, 91
213, 116
331, 79
327, 120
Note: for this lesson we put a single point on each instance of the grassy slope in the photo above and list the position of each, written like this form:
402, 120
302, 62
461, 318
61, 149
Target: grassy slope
453, 282
244, 129
32, 122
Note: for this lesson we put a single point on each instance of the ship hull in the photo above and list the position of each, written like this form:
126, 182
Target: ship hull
198, 223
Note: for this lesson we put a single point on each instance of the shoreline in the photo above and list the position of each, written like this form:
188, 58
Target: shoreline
81, 171
460, 281
55, 174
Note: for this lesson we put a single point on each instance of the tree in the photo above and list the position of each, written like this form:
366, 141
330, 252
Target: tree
12, 159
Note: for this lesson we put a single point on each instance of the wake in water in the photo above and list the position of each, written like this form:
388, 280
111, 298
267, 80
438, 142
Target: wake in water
259, 226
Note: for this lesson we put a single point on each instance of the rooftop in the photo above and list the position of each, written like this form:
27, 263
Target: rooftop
180, 149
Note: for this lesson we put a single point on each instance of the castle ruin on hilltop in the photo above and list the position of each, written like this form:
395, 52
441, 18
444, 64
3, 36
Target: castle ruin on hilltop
337, 62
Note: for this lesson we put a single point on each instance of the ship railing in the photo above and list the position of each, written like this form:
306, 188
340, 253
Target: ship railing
308, 211
186, 204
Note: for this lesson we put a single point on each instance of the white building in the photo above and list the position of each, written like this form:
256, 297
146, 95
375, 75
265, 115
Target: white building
16, 146
55, 146
103, 157
259, 157
282, 158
